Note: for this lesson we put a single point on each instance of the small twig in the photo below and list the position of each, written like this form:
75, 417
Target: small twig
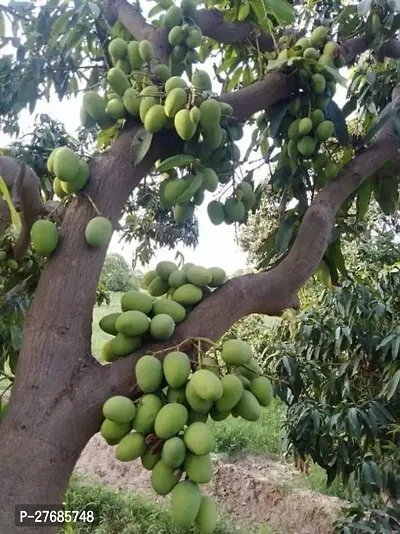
96, 209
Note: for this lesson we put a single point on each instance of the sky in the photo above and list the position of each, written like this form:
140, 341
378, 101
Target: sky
217, 244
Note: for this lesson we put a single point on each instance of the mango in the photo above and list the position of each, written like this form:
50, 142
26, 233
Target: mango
115, 109
158, 287
173, 17
149, 458
107, 323
132, 101
262, 389
134, 56
206, 385
185, 503
113, 432
170, 420
195, 114
146, 51
199, 276
173, 452
136, 300
184, 126
162, 327
80, 180
174, 83
210, 114
155, 119
248, 407
66, 164
178, 55
176, 367
163, 478
234, 210
94, 105
201, 80
183, 213
244, 380
306, 145
177, 279
175, 101
198, 438
195, 402
146, 413
232, 393
98, 232
107, 353
118, 48
165, 268
318, 35
216, 213
305, 126
122, 345
217, 415
251, 369
176, 395
311, 53
236, 352
318, 83
148, 278
57, 188
163, 72
293, 130
44, 237
189, 8
171, 308
132, 323
119, 409
302, 43
194, 38
212, 138
198, 468
317, 116
325, 130
188, 295
130, 447
145, 105
206, 519
148, 371
118, 81
176, 36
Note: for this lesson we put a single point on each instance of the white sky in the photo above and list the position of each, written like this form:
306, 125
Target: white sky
217, 246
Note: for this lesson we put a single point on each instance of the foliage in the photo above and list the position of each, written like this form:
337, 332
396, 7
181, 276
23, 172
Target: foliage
117, 275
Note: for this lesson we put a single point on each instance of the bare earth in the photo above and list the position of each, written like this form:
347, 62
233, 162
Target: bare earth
253, 490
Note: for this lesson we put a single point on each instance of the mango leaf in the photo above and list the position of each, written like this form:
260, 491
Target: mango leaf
386, 114
244, 11
349, 107
336, 74
282, 11
260, 13
393, 384
140, 145
2, 25
336, 116
363, 7
276, 117
276, 64
285, 234
363, 197
15, 218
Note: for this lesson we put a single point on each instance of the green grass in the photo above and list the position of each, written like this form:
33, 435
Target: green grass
234, 436
126, 513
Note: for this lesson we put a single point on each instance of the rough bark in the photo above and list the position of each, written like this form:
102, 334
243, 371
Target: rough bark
59, 388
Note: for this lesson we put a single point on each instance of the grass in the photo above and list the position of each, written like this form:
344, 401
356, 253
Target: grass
235, 436
126, 513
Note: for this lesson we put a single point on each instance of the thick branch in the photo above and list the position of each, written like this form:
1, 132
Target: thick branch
212, 24
260, 95
129, 16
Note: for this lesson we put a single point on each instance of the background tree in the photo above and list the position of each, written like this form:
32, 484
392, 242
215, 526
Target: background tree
59, 389
117, 275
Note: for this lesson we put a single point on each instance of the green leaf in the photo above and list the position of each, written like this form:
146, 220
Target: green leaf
94, 8
336, 74
59, 26
363, 7
336, 116
393, 384
140, 145
363, 198
155, 11
276, 64
349, 107
285, 234
244, 11
15, 218
276, 117
259, 11
235, 79
282, 11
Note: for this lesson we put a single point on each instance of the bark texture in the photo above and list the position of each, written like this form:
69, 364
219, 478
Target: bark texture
56, 402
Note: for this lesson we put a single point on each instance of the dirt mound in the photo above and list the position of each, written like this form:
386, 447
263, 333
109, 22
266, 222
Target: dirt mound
253, 490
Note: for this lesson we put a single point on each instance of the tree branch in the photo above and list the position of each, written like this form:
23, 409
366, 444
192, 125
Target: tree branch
260, 95
212, 24
129, 16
